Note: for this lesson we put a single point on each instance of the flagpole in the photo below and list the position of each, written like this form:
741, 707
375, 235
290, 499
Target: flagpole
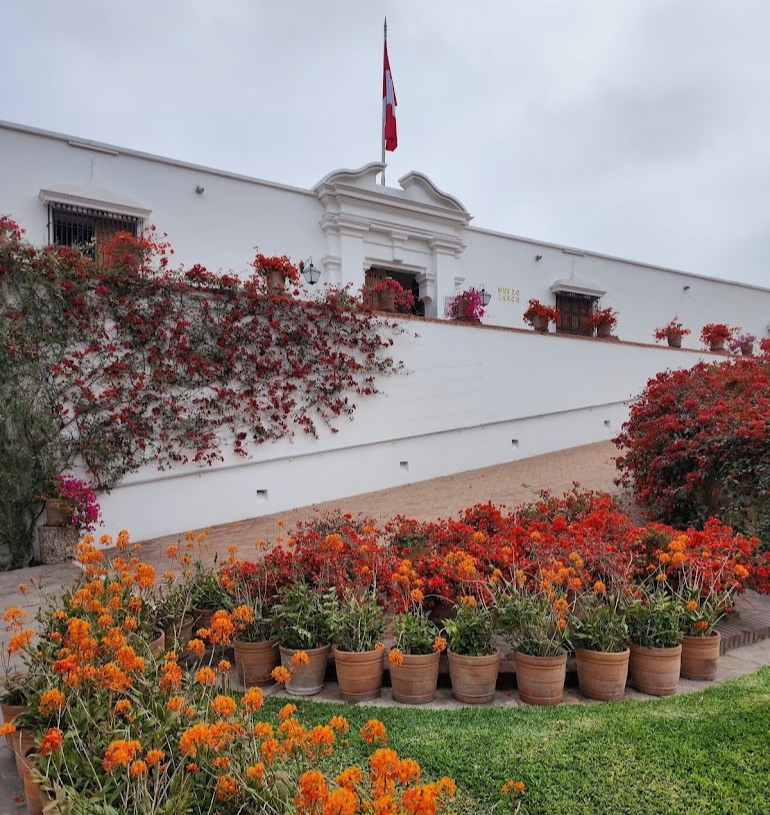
382, 124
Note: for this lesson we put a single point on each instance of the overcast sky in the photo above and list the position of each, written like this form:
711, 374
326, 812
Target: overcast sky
637, 128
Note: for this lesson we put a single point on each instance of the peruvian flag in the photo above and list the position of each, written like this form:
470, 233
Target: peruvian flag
388, 106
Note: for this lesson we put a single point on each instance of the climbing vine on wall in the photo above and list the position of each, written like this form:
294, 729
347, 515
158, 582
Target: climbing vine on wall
149, 363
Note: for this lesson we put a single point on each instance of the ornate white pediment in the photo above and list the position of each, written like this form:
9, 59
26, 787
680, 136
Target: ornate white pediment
92, 196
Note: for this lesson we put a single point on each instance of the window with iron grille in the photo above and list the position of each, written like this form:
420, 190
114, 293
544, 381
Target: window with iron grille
86, 228
575, 310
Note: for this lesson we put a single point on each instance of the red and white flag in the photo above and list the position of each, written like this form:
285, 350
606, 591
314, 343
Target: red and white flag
390, 136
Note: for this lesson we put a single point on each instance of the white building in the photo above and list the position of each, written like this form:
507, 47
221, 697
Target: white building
474, 397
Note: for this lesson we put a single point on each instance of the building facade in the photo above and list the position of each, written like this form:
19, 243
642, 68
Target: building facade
474, 396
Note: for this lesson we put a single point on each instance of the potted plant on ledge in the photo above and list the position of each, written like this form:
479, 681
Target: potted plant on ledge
742, 343
275, 270
673, 332
389, 295
467, 306
604, 320
715, 335
539, 316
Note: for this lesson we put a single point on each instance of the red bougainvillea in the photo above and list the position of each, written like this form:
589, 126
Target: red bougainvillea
697, 444
145, 363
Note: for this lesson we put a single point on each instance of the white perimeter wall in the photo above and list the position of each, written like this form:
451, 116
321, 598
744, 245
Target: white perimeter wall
470, 393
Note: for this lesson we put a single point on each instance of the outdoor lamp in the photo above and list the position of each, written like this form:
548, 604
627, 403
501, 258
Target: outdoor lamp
485, 297
309, 272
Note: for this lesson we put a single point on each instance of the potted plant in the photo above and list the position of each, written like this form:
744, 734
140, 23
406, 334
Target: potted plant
206, 593
71, 511
173, 615
535, 624
673, 332
714, 335
703, 603
598, 632
655, 631
275, 270
356, 623
414, 660
467, 306
302, 627
742, 343
604, 320
389, 295
539, 316
473, 661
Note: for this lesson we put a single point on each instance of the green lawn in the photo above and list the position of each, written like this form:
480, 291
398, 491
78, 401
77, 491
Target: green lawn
704, 753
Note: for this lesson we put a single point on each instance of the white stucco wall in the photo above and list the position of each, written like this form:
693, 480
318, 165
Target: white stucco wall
474, 397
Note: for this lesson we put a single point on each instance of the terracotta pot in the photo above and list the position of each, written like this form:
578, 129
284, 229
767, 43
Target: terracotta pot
717, 345
179, 634
474, 678
308, 680
201, 618
602, 675
158, 645
655, 670
58, 512
700, 657
747, 349
540, 323
414, 680
541, 679
32, 791
604, 330
276, 282
674, 340
10, 712
22, 741
359, 673
254, 661
386, 300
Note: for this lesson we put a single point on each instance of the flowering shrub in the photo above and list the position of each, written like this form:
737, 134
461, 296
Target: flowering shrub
713, 333
673, 328
604, 316
124, 361
741, 342
538, 309
697, 444
467, 304
85, 508
117, 728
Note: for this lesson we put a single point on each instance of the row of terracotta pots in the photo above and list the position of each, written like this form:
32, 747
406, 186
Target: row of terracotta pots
603, 676
22, 743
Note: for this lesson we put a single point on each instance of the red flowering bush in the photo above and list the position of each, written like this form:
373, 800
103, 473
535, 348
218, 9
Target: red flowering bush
697, 444
467, 304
